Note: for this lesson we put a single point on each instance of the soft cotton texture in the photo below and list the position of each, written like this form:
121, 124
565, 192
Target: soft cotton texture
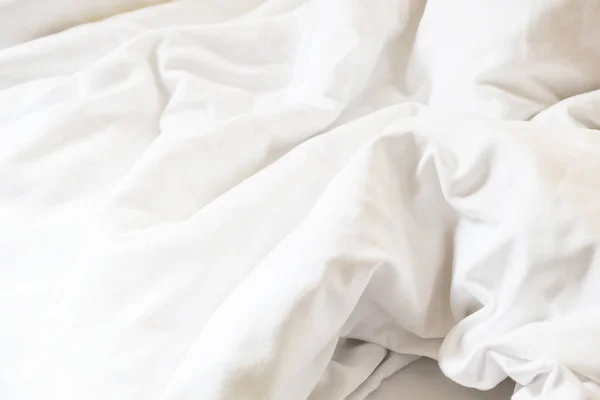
295, 199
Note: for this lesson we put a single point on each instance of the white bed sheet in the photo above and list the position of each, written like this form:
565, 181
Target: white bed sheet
423, 380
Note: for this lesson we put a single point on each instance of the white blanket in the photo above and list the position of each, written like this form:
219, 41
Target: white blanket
294, 199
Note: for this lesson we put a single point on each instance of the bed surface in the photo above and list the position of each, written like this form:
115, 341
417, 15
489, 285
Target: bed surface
423, 380
292, 199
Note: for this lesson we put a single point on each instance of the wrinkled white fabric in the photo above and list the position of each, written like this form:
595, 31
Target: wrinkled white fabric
23, 20
294, 199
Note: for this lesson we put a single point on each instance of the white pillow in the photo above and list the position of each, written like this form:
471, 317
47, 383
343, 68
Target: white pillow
23, 20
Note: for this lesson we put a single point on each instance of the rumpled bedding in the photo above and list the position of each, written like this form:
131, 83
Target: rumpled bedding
295, 199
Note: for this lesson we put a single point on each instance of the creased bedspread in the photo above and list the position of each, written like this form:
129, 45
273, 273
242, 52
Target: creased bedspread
294, 199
